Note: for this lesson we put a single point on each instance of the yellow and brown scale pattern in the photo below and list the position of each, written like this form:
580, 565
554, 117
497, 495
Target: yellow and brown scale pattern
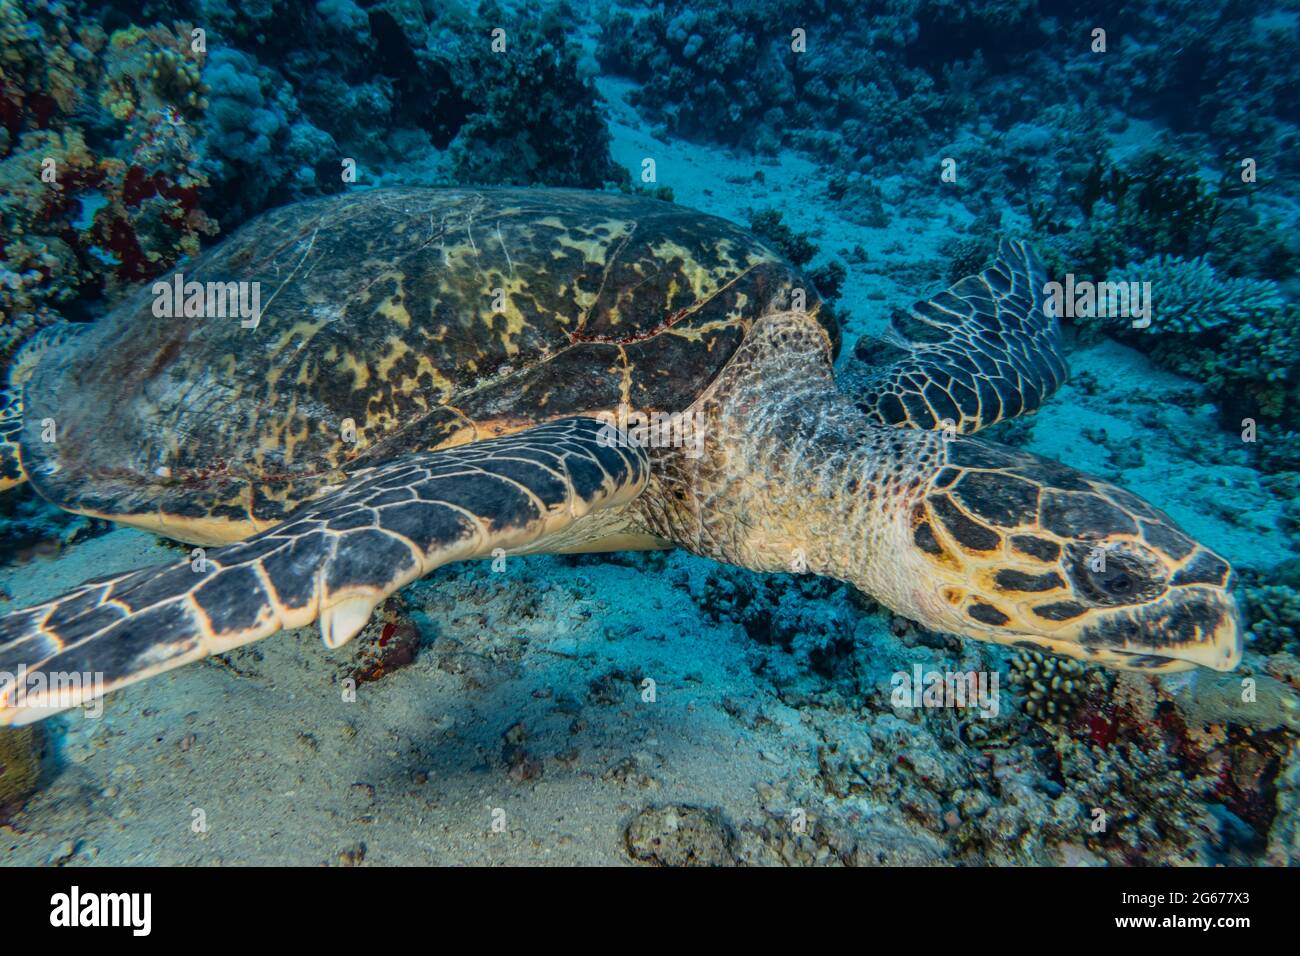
426, 318
978, 353
1016, 527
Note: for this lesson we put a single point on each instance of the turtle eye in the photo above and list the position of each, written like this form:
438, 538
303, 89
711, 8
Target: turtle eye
1117, 583
1121, 578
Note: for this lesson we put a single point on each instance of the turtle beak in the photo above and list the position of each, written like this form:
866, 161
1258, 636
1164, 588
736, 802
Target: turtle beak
1189, 626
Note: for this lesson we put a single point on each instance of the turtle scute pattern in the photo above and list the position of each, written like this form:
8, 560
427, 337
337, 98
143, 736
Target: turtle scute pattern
337, 557
11, 426
1027, 527
978, 353
425, 318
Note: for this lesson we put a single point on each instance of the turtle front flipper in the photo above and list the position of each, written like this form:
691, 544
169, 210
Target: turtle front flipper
981, 352
335, 559
11, 427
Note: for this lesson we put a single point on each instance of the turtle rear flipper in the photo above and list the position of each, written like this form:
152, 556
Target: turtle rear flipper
11, 427
335, 558
24, 364
981, 352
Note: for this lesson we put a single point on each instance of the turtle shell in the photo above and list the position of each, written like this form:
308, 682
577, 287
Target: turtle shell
392, 320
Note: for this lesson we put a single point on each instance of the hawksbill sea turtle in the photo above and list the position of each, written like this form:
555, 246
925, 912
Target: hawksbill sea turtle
426, 384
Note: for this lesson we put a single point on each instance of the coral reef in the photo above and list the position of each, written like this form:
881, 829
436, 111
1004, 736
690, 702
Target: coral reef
98, 161
1272, 613
113, 145
34, 527
1237, 335
441, 95
1180, 774
1146, 800
889, 85
811, 618
1284, 837
559, 139
1190, 298
1155, 204
1052, 686
930, 79
260, 150
721, 73
124, 145
1213, 72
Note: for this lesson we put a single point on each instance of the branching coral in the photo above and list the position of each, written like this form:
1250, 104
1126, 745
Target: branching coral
1052, 686
1238, 336
1189, 297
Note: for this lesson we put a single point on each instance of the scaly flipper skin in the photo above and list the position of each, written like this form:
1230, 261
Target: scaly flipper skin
335, 558
979, 353
11, 427
24, 363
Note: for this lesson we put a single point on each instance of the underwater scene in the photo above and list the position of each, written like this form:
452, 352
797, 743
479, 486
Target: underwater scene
710, 433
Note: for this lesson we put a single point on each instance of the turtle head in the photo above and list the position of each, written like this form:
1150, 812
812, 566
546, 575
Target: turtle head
1029, 553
